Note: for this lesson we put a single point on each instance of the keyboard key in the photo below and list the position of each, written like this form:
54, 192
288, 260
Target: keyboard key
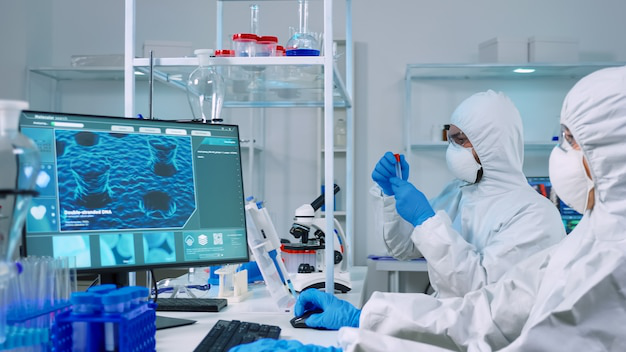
226, 334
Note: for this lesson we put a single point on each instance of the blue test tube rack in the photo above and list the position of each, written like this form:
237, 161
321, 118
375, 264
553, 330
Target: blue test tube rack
123, 314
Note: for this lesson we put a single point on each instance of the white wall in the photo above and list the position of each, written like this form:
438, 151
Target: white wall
388, 34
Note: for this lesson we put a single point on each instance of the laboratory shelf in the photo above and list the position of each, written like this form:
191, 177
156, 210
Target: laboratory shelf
504, 71
272, 82
426, 146
99, 73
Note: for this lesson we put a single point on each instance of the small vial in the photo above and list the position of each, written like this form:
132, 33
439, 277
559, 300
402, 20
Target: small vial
82, 305
113, 303
398, 167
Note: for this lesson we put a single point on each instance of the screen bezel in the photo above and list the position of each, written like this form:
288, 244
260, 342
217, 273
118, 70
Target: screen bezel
114, 270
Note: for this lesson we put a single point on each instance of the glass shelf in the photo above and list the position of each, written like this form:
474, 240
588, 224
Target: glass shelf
251, 82
424, 146
504, 71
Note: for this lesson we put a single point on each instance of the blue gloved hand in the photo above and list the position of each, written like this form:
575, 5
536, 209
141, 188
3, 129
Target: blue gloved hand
385, 169
271, 345
336, 312
411, 204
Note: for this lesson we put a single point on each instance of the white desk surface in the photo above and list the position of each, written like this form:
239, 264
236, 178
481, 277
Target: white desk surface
258, 308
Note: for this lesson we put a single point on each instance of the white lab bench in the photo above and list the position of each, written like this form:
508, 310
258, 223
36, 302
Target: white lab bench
257, 308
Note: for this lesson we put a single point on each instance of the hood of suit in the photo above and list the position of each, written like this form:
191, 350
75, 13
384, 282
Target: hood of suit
493, 124
595, 112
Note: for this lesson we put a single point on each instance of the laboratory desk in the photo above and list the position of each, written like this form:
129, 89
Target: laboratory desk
258, 308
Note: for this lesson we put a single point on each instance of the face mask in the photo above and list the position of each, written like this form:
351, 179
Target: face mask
569, 178
461, 163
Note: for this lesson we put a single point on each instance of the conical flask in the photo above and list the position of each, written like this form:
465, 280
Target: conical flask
20, 162
302, 42
205, 90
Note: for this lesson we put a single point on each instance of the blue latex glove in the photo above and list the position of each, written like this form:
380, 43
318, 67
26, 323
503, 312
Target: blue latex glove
271, 345
411, 204
385, 169
336, 312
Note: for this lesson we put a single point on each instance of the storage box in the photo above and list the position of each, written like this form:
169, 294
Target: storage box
503, 50
167, 49
552, 49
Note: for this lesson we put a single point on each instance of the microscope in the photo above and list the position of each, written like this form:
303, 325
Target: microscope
308, 255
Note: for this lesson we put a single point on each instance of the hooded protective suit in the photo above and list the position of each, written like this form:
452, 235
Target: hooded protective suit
570, 297
496, 222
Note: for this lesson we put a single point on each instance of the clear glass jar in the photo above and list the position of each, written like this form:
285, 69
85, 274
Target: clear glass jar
206, 89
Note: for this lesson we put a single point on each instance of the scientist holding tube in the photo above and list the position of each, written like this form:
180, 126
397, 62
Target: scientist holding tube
485, 221
568, 297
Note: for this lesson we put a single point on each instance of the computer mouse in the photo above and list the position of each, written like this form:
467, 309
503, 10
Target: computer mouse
299, 322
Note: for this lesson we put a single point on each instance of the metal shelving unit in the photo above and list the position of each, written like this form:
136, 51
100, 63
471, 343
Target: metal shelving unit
324, 91
434, 90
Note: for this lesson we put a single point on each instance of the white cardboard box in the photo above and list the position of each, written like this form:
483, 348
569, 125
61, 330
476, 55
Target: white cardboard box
503, 50
167, 48
552, 49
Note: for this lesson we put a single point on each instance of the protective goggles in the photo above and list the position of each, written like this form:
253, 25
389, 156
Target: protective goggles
456, 136
567, 140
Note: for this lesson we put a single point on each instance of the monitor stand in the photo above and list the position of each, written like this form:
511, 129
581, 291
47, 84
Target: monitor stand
121, 279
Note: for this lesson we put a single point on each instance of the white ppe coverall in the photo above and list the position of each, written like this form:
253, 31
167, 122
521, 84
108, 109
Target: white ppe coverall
496, 222
570, 297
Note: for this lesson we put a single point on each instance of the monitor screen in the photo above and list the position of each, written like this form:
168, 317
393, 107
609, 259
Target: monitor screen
569, 216
122, 194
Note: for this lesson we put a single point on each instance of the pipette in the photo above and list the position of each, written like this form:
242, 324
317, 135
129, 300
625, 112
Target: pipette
398, 168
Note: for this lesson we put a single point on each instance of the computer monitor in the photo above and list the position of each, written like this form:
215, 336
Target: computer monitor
569, 216
122, 194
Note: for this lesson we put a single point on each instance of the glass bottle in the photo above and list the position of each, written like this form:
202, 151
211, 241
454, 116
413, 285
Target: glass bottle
205, 90
20, 162
340, 133
303, 43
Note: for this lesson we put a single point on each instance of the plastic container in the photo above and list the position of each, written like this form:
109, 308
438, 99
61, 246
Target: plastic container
294, 257
552, 49
266, 46
280, 50
244, 44
503, 50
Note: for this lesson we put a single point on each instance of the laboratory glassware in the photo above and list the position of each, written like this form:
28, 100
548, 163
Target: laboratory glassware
303, 42
206, 89
20, 162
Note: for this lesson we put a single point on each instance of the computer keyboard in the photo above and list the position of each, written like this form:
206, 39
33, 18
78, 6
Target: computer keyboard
226, 334
190, 304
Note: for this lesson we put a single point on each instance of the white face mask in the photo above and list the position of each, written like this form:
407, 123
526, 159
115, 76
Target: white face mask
569, 178
461, 163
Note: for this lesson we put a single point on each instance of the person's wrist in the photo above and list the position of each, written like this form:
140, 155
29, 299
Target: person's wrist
425, 215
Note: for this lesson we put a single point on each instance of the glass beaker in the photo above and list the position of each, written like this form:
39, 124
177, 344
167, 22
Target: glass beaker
303, 43
206, 89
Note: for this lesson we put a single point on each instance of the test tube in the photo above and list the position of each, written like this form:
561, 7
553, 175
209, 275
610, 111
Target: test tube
398, 168
113, 303
82, 305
